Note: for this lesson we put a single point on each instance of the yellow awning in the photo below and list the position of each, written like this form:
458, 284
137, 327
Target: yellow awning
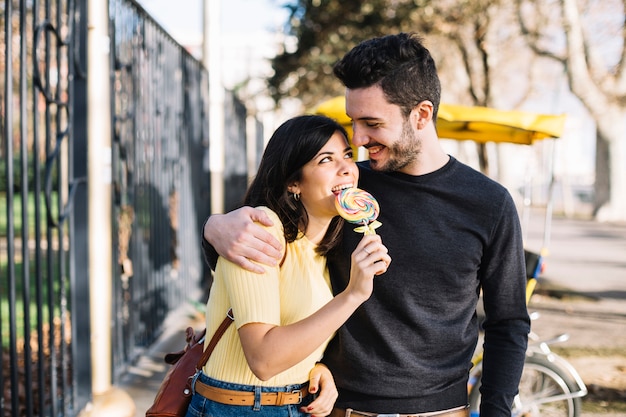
480, 124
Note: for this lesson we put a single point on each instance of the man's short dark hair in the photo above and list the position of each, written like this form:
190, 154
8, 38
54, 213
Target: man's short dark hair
401, 65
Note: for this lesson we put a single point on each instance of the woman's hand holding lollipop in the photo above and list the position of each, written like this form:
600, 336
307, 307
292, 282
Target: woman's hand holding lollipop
370, 257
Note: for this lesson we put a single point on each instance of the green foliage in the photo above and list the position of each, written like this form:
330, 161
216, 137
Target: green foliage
17, 213
325, 30
17, 178
19, 310
19, 264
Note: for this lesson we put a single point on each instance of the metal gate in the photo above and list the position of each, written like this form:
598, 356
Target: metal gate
44, 320
161, 194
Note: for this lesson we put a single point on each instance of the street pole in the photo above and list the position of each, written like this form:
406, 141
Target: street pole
211, 58
107, 400
99, 171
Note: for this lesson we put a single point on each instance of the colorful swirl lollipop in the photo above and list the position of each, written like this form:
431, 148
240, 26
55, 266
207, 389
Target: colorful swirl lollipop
359, 207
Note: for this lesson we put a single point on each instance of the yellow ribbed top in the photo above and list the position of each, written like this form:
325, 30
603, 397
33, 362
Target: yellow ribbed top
281, 296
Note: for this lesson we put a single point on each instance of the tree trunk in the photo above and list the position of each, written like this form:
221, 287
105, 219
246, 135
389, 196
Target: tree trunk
602, 193
610, 167
607, 107
483, 158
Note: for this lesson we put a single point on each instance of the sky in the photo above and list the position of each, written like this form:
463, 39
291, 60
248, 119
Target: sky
246, 32
247, 37
183, 17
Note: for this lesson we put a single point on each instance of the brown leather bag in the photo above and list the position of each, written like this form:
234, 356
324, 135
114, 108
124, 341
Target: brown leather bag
174, 395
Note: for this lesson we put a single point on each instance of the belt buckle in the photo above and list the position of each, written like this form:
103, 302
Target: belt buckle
299, 392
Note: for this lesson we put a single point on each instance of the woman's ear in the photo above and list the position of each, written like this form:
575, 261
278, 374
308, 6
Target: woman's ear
294, 188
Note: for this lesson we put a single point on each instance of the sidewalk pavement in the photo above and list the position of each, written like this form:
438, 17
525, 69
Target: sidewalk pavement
143, 379
583, 256
582, 291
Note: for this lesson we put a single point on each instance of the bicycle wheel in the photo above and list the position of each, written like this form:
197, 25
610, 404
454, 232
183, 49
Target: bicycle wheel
545, 390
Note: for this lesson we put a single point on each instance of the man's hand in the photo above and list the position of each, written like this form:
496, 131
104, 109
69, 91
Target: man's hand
239, 238
321, 382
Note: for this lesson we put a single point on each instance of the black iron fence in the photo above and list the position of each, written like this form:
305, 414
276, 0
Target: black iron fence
161, 194
43, 198
161, 181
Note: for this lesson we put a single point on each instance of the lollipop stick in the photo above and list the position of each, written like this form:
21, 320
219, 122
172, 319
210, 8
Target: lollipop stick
368, 229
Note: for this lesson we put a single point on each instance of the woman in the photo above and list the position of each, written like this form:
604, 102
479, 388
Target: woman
285, 317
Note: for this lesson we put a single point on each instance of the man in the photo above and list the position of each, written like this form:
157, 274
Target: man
452, 233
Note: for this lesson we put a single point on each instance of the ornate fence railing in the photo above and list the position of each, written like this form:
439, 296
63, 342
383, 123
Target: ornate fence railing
160, 185
43, 193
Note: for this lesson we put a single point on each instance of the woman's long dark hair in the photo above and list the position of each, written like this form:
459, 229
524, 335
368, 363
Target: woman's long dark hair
293, 144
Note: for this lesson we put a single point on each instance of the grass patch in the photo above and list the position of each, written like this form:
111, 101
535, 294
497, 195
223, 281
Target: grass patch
600, 406
48, 283
19, 308
17, 212
586, 351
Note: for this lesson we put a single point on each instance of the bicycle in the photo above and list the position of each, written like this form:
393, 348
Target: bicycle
549, 386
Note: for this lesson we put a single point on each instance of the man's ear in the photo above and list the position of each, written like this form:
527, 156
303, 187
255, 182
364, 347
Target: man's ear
422, 114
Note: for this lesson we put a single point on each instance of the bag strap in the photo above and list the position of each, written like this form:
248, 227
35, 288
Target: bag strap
216, 337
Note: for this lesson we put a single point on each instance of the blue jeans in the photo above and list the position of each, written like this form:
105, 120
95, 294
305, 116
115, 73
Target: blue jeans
203, 407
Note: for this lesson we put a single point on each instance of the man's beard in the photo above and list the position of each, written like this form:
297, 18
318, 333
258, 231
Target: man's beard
402, 153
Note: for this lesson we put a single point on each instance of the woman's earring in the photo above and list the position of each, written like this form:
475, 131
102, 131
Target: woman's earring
296, 196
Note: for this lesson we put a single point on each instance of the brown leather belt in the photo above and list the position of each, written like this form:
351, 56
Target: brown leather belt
233, 397
458, 412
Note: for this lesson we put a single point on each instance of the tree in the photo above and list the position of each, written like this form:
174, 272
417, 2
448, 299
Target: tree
589, 40
320, 32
